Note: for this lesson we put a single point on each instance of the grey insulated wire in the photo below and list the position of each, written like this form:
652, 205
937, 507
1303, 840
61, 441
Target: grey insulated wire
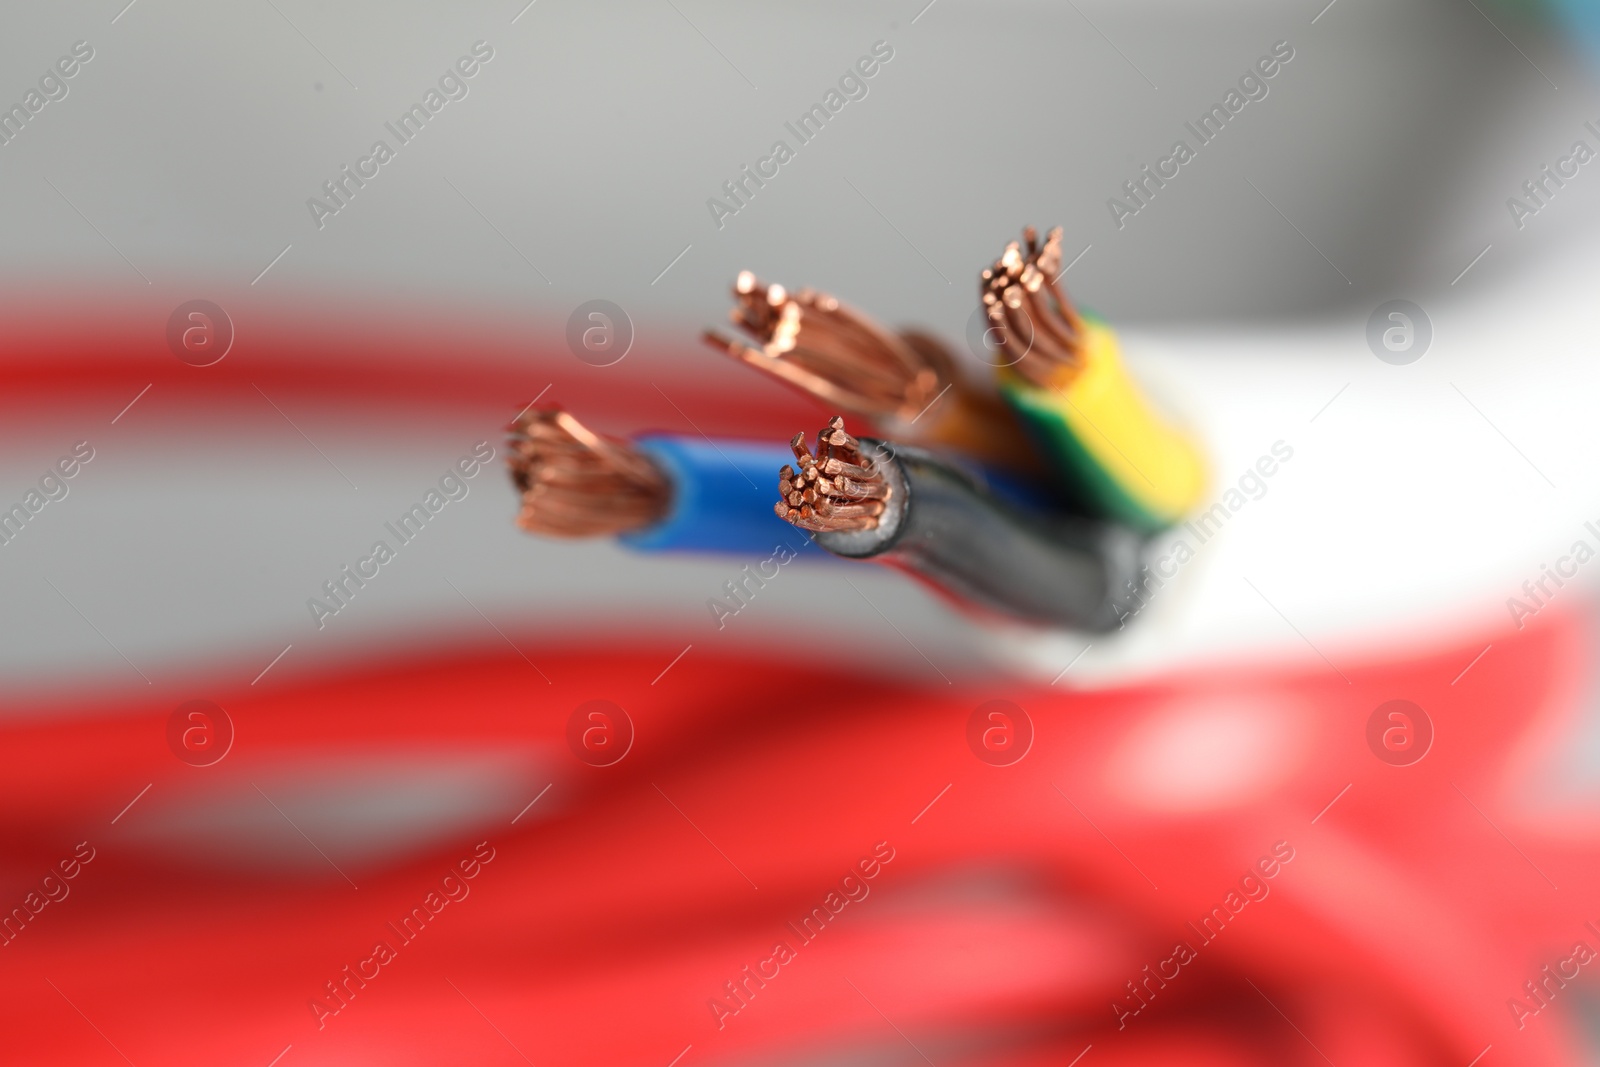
941, 525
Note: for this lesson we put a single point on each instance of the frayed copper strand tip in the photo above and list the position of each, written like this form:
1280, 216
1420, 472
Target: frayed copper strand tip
1039, 328
577, 483
812, 342
837, 490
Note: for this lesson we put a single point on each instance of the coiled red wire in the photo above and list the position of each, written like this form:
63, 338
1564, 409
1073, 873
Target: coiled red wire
1002, 931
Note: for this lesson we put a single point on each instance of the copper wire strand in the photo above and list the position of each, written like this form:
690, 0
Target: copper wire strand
1022, 298
837, 489
1011, 292
811, 341
1012, 295
577, 483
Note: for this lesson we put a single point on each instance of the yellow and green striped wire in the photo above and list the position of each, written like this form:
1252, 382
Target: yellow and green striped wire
1110, 448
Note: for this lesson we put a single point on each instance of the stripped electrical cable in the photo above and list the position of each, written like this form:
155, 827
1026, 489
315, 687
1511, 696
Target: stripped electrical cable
577, 483
908, 383
868, 499
1066, 380
655, 492
981, 536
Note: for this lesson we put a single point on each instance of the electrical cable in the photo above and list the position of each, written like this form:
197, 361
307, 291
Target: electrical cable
907, 383
577, 483
989, 542
715, 504
868, 499
1067, 383
655, 493
662, 492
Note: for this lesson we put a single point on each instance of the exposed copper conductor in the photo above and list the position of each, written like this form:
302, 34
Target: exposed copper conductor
1040, 329
835, 491
816, 344
577, 483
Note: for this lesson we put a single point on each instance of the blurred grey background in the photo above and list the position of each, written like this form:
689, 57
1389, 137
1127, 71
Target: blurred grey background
594, 137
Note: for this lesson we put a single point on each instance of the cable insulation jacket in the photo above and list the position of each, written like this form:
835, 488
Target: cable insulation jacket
944, 527
721, 498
